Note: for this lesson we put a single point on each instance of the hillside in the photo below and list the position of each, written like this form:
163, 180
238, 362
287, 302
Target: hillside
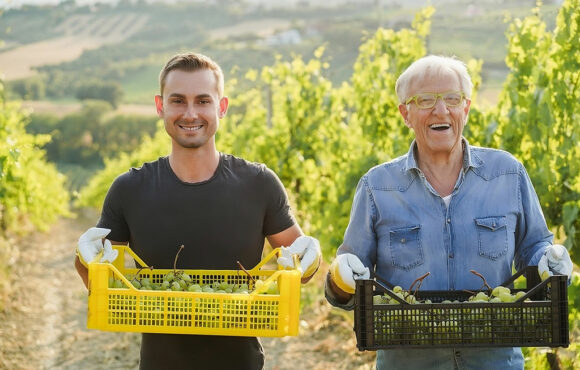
58, 47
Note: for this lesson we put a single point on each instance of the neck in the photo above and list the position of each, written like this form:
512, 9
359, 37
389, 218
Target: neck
194, 165
442, 171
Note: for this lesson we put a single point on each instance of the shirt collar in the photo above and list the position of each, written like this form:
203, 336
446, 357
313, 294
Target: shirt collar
469, 159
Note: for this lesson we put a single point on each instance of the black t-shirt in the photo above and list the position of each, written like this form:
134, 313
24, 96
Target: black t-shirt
219, 221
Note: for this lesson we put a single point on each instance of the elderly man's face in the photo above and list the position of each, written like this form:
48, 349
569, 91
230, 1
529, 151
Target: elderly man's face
438, 130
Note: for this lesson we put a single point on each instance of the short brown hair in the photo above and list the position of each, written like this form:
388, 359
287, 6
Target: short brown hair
192, 62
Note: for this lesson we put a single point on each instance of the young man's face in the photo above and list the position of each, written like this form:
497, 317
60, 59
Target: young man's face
191, 108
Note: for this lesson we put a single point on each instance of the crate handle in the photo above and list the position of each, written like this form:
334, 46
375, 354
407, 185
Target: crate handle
531, 292
275, 253
267, 282
116, 271
382, 282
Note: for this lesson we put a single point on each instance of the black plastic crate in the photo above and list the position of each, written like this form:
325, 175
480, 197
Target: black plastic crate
541, 322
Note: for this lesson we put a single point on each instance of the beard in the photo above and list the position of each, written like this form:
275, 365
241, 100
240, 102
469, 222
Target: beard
193, 141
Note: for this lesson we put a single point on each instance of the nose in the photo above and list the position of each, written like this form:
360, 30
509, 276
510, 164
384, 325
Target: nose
440, 106
190, 112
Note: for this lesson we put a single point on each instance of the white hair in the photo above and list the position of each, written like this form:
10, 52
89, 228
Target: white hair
433, 66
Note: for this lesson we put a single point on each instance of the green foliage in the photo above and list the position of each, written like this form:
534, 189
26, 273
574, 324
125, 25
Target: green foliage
321, 138
32, 192
111, 92
537, 117
93, 194
32, 88
83, 140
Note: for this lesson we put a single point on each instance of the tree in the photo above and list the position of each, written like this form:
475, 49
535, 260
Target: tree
111, 92
537, 117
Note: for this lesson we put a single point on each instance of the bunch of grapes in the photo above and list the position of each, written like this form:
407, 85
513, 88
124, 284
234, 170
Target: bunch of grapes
450, 323
179, 280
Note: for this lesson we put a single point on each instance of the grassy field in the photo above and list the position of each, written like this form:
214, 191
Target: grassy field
76, 34
130, 45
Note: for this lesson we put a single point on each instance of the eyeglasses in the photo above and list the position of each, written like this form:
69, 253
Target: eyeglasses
428, 100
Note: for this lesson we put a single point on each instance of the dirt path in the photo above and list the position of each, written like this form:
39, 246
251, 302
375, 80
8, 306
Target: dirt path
44, 324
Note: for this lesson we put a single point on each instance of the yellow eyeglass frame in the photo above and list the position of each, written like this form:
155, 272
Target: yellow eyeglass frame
436, 97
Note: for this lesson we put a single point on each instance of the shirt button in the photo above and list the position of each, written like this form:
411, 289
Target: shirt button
403, 240
448, 220
451, 255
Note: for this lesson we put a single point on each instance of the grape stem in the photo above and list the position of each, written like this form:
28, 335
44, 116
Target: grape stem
177, 255
418, 280
139, 271
246, 271
485, 284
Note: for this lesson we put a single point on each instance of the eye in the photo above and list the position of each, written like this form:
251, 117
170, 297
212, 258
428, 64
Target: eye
425, 100
452, 99
177, 101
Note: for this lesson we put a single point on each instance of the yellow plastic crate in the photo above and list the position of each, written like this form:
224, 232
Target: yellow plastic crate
182, 312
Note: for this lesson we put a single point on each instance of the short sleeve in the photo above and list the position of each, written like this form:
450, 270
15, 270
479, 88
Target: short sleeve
278, 215
112, 213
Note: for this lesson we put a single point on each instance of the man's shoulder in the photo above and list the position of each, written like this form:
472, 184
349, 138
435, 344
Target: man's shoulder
241, 166
390, 175
490, 162
146, 170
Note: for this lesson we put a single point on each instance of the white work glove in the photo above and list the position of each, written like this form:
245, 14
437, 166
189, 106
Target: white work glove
345, 269
91, 243
555, 261
308, 250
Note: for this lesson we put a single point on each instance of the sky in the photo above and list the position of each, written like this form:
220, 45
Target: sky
5, 4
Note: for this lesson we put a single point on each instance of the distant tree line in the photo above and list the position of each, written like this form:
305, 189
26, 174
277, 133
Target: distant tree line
82, 141
34, 88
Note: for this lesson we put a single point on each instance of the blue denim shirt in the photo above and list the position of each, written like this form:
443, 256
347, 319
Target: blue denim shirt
401, 228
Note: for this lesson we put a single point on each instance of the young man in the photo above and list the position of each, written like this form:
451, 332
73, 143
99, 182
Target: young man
218, 206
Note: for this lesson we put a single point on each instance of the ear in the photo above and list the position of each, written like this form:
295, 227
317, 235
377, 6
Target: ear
467, 106
159, 105
405, 113
223, 108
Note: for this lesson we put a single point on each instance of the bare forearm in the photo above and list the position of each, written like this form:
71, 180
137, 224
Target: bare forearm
82, 271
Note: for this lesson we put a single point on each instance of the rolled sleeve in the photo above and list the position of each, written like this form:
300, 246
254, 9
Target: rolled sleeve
359, 238
533, 235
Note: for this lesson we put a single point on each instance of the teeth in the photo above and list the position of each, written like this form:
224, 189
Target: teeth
191, 128
440, 125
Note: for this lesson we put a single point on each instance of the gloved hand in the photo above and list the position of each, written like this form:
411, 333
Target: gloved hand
555, 261
308, 250
91, 243
345, 269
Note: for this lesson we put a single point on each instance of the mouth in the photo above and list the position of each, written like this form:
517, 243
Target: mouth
440, 126
190, 127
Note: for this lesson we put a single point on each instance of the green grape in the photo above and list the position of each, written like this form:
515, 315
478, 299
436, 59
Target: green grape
194, 288
118, 284
207, 289
186, 277
500, 289
170, 276
182, 284
273, 288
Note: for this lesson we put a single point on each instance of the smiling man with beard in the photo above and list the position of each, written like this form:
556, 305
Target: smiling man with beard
220, 207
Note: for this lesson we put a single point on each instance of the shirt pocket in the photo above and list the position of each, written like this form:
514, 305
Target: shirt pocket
406, 250
492, 236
